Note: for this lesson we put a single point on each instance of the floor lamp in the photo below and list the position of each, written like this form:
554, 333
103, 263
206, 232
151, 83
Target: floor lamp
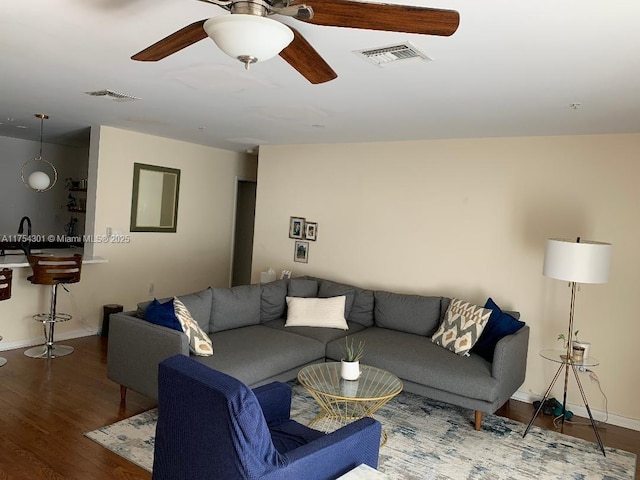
574, 262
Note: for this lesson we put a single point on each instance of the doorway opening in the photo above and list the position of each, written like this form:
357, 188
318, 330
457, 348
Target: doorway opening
243, 231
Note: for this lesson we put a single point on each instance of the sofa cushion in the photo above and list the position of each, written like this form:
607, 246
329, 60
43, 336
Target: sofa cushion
199, 341
199, 305
272, 300
363, 302
316, 312
242, 353
362, 310
415, 314
327, 289
235, 307
162, 314
288, 435
462, 326
323, 335
416, 359
500, 325
301, 287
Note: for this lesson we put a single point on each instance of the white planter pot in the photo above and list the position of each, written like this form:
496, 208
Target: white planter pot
350, 370
587, 348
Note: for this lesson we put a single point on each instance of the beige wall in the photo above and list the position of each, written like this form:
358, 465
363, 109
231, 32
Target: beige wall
195, 257
470, 218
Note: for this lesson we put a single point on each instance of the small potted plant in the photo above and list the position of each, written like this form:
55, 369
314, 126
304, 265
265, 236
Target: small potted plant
577, 347
351, 355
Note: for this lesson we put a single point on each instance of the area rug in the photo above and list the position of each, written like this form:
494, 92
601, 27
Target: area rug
431, 440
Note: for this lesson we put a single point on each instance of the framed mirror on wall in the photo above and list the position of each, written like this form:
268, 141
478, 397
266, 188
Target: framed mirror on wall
154, 204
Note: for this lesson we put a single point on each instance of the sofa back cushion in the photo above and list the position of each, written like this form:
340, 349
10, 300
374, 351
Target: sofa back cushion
235, 307
272, 300
415, 314
362, 310
327, 289
360, 302
302, 287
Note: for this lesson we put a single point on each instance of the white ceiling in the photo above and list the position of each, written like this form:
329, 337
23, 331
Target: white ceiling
513, 68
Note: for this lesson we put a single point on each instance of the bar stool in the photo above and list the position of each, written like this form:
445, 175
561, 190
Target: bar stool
50, 270
6, 275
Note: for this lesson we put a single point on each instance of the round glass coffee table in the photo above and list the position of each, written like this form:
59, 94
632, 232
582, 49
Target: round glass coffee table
343, 401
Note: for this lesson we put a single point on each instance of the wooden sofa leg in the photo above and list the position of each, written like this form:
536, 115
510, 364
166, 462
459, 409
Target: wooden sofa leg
478, 424
123, 394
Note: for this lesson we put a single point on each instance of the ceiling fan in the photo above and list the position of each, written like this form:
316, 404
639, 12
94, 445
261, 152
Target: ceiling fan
250, 36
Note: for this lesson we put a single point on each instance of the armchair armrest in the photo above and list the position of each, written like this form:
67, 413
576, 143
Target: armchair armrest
136, 347
275, 400
347, 447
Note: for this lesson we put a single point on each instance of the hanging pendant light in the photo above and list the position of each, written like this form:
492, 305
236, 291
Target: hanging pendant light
38, 180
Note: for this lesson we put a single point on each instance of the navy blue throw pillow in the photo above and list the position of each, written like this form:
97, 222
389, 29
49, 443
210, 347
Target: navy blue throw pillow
162, 314
500, 325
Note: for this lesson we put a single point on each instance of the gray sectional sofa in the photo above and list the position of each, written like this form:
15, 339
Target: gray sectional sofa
252, 343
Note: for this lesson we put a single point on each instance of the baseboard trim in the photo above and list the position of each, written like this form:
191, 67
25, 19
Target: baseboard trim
30, 342
581, 411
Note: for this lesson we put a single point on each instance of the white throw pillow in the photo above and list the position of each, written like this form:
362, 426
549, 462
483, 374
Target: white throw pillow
316, 312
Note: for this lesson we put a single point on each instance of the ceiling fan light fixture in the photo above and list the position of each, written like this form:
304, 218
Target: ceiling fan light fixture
248, 38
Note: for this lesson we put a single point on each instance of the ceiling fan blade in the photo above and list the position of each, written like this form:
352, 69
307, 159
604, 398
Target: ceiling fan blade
304, 58
173, 43
382, 16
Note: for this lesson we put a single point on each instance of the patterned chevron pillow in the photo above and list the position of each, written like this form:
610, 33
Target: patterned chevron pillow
199, 342
462, 325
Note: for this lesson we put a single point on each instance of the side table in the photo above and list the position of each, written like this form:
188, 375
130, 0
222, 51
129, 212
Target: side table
560, 356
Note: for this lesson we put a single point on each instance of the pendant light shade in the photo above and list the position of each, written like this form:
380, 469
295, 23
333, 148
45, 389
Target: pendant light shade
39, 180
249, 38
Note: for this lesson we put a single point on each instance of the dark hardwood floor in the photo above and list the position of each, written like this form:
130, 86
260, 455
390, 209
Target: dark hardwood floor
47, 405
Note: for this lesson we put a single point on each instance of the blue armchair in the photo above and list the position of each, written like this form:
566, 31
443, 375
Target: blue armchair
212, 426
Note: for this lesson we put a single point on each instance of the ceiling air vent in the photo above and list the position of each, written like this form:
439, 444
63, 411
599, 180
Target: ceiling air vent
117, 96
384, 56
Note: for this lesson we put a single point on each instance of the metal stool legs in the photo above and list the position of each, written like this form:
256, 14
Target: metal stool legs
6, 276
49, 320
3, 361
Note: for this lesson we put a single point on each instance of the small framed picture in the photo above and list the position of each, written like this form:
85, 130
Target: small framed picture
296, 227
301, 253
311, 231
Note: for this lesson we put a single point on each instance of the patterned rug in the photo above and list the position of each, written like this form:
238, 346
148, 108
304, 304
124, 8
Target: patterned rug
431, 440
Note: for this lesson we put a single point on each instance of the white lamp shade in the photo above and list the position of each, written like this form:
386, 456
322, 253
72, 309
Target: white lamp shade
39, 180
240, 35
580, 262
